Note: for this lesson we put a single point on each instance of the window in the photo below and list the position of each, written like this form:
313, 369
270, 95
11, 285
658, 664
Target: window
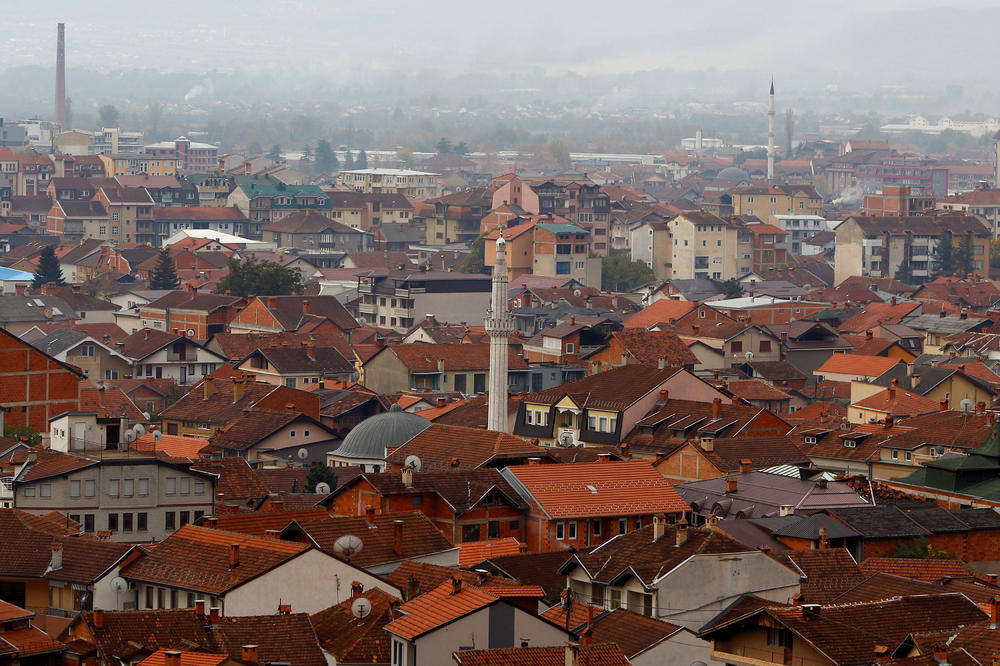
143, 487
142, 521
810, 439
563, 268
736, 346
638, 523
113, 522
514, 525
470, 533
765, 345
397, 653
171, 485
616, 598
88, 522
779, 637
622, 526
418, 500
572, 529
560, 531
291, 433
45, 489
579, 265
185, 518
850, 444
126, 522
29, 491
185, 486
199, 487
595, 527
149, 597
479, 382
461, 385
87, 351
128, 487
171, 521
493, 529
74, 488
909, 456
895, 454
102, 231
570, 348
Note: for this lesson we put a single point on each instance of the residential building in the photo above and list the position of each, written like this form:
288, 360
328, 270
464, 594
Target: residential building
983, 203
161, 354
799, 228
397, 299
97, 359
168, 220
649, 569
458, 216
551, 248
439, 367
267, 434
130, 215
897, 200
312, 231
881, 246
651, 243
137, 164
34, 386
707, 246
363, 211
74, 221
298, 366
263, 201
289, 314
188, 313
411, 184
136, 498
776, 200
189, 156
769, 247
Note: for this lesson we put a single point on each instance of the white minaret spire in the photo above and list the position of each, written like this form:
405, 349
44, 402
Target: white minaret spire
499, 326
770, 135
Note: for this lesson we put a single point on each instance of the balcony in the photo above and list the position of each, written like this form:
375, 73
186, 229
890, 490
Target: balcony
754, 656
367, 308
365, 288
400, 312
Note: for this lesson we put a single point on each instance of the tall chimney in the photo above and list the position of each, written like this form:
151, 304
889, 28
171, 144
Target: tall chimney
397, 537
56, 562
172, 658
99, 618
60, 108
659, 526
234, 555
249, 653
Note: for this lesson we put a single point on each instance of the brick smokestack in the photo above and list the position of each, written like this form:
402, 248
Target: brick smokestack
60, 108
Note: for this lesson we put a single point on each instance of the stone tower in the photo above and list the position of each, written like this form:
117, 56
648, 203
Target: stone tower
499, 326
770, 135
60, 107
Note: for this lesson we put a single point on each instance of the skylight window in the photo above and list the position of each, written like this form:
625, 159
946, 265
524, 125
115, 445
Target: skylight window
592, 489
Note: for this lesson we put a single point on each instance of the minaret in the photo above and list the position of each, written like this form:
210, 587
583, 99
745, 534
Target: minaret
60, 108
770, 136
499, 326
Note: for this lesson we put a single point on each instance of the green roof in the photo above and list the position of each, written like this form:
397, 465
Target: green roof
991, 447
264, 188
557, 228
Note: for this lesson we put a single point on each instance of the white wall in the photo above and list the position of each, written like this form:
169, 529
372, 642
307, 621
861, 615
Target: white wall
310, 582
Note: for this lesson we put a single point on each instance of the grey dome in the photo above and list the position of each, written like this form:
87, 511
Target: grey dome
733, 173
369, 439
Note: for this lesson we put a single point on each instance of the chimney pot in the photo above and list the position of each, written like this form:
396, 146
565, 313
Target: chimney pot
199, 606
214, 615
56, 561
456, 584
732, 484
249, 653
716, 408
99, 618
745, 465
234, 555
172, 658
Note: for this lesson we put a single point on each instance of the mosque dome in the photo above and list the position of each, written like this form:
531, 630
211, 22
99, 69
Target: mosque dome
733, 173
370, 439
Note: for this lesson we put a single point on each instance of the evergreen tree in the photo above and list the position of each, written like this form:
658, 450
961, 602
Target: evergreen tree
320, 473
475, 261
905, 272
732, 288
944, 256
164, 275
48, 269
326, 158
362, 162
461, 148
444, 146
620, 273
963, 256
349, 159
274, 153
259, 277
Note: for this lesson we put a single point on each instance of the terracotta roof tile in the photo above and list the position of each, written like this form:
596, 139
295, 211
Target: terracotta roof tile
873, 314
353, 640
614, 389
438, 607
855, 364
176, 446
109, 403
50, 463
473, 552
652, 347
187, 658
439, 446
755, 389
423, 357
604, 654
576, 490
461, 489
237, 480
662, 310
898, 403
926, 570
30, 641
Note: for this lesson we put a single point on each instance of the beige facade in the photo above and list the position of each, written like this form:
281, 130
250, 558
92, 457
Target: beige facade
650, 243
706, 246
411, 184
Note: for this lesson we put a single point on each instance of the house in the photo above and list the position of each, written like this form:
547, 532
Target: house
97, 359
398, 296
19, 311
211, 406
442, 447
261, 433
161, 354
312, 231
938, 329
855, 367
23, 642
74, 221
101, 423
581, 655
890, 404
675, 573
286, 314
34, 386
57, 572
761, 494
637, 345
713, 457
464, 505
761, 394
726, 342
262, 201
190, 313
848, 633
349, 639
135, 498
297, 367
81, 262
240, 574
168, 220
451, 367
601, 409
580, 505
808, 344
555, 248
441, 621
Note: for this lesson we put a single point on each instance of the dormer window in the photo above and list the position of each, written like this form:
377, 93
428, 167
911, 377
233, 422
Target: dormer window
810, 439
850, 443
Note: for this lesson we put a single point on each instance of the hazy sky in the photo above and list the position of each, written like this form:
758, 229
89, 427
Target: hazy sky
805, 44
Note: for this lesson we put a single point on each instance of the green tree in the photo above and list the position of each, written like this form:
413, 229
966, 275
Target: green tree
249, 277
108, 115
460, 148
944, 256
995, 253
326, 158
921, 549
362, 162
905, 272
348, 159
17, 431
164, 274
274, 153
443, 146
320, 473
48, 269
475, 261
619, 273
963, 256
557, 152
732, 288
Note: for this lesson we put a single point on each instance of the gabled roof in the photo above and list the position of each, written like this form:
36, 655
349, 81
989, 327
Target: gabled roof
308, 222
319, 360
183, 299
290, 310
220, 408
927, 569
614, 488
652, 347
604, 654
196, 558
855, 364
896, 402
148, 341
109, 403
439, 446
615, 389
423, 357
662, 310
254, 426
186, 657
353, 640
49, 463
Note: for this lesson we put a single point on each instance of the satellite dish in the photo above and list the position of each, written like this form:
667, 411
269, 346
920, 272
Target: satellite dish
302, 453
361, 607
965, 405
348, 545
119, 584
190, 332
130, 436
413, 462
566, 439
139, 429
145, 415
940, 450
157, 435
749, 356
322, 488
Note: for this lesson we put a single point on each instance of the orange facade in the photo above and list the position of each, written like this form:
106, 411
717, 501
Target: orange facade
34, 387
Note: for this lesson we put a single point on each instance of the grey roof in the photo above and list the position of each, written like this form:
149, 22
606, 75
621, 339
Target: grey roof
60, 340
807, 527
776, 288
14, 308
945, 325
370, 439
698, 289
403, 233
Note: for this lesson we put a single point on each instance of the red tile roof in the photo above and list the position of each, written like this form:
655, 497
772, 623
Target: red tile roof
237, 480
661, 311
897, 402
439, 607
652, 347
187, 658
30, 641
175, 446
440, 446
857, 365
50, 463
423, 357
473, 552
755, 389
108, 403
353, 640
603, 654
874, 314
926, 570
197, 558
577, 490
615, 389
